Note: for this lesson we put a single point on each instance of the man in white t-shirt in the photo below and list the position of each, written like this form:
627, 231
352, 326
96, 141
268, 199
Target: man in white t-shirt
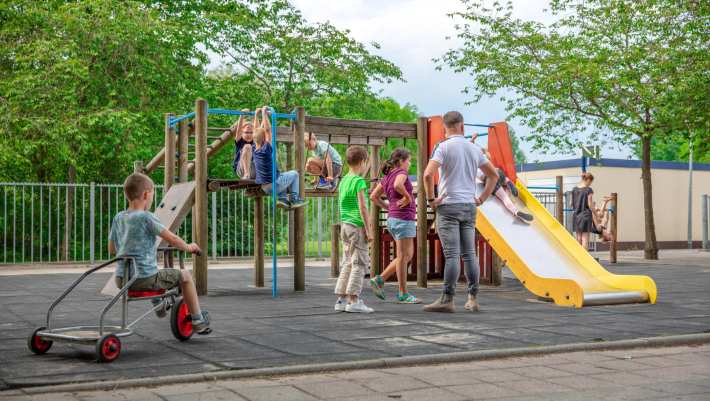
457, 160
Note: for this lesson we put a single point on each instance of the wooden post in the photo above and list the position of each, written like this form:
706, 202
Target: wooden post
614, 227
259, 241
291, 234
422, 227
138, 166
183, 139
560, 199
376, 246
299, 222
335, 250
497, 270
169, 173
200, 209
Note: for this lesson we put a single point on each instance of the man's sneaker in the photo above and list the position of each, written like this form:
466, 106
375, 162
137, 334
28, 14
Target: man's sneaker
160, 312
358, 307
525, 216
444, 304
323, 184
377, 285
513, 189
202, 326
407, 298
296, 203
283, 203
472, 304
340, 305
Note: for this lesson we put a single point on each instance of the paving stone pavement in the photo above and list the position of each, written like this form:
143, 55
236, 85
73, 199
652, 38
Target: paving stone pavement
252, 330
670, 373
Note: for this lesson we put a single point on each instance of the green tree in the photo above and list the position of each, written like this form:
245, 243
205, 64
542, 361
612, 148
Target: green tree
84, 85
677, 148
634, 70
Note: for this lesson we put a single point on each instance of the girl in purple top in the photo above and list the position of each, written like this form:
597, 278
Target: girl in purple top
401, 222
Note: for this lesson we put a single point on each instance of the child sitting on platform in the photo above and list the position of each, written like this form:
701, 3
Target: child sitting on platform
326, 164
286, 183
133, 233
355, 233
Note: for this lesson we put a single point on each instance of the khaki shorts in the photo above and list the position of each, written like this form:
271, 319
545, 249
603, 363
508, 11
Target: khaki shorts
164, 280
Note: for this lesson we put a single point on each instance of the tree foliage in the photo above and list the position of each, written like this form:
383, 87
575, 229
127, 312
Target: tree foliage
604, 70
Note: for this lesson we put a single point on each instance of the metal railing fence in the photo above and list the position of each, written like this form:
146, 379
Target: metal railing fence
57, 222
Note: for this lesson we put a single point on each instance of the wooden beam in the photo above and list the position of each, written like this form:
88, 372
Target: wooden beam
299, 226
367, 124
200, 210
335, 250
422, 226
183, 139
155, 162
614, 227
560, 199
319, 129
169, 172
138, 167
376, 247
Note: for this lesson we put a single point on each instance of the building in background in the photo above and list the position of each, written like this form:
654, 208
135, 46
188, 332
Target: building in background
670, 195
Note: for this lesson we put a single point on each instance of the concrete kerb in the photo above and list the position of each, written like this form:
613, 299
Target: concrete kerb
663, 341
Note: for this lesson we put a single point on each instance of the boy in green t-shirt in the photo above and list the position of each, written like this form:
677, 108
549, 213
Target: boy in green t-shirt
355, 233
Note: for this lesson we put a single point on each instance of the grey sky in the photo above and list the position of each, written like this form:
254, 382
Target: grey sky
410, 33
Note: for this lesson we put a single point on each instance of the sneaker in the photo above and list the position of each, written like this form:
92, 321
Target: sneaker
513, 189
407, 298
358, 307
340, 305
160, 312
296, 203
323, 184
525, 216
283, 203
472, 304
202, 326
444, 304
377, 285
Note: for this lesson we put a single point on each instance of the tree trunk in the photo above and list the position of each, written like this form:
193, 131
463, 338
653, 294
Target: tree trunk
650, 248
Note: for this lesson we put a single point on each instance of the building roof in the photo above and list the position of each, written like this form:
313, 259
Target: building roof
558, 164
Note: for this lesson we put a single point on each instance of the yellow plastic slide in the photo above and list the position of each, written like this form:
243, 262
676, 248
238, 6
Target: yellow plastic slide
549, 261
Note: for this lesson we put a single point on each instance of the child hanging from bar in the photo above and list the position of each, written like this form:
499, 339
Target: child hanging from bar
326, 165
355, 232
503, 190
287, 182
600, 224
243, 164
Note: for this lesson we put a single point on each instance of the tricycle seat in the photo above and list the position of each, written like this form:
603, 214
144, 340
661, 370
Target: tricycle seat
145, 293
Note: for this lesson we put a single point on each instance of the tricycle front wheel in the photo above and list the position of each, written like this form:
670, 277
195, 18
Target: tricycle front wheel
181, 320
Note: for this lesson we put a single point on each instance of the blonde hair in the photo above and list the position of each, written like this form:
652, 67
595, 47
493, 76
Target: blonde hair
136, 184
307, 136
259, 135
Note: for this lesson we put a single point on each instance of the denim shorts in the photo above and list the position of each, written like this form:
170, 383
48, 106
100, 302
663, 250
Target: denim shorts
400, 229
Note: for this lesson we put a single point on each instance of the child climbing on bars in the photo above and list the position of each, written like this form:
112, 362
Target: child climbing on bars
503, 190
355, 232
326, 164
287, 182
243, 164
601, 221
401, 222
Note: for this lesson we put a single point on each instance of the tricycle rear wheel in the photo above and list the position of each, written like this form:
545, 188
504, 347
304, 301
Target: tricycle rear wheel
37, 344
108, 348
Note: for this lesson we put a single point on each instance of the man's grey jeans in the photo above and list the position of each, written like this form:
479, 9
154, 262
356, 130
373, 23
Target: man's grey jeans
456, 225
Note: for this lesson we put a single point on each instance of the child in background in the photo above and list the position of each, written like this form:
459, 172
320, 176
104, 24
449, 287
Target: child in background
286, 183
326, 164
601, 222
401, 222
355, 233
133, 232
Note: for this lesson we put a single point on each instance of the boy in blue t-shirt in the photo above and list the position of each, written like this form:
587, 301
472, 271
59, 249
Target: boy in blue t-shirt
134, 231
286, 183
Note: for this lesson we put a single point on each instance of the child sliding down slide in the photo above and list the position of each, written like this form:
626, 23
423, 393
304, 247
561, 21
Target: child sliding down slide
503, 188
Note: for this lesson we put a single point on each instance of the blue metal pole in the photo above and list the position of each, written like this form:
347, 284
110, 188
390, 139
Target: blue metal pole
274, 193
